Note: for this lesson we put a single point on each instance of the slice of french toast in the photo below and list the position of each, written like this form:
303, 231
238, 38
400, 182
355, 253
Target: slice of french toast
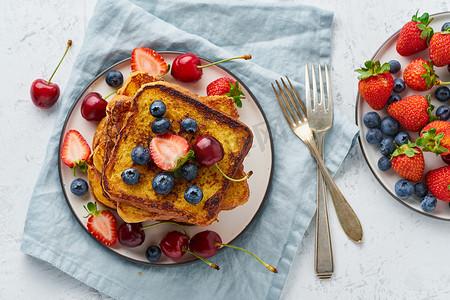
235, 137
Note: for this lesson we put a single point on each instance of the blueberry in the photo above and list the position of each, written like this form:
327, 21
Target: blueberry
371, 119
374, 136
114, 78
153, 253
189, 171
442, 93
445, 26
420, 189
428, 203
384, 163
189, 125
157, 108
163, 183
161, 126
443, 112
399, 85
389, 126
395, 66
393, 98
79, 187
404, 189
140, 155
387, 146
193, 194
401, 138
131, 176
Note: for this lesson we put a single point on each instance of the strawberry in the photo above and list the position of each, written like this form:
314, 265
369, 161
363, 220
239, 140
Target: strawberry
169, 151
228, 87
75, 151
440, 48
413, 112
375, 84
438, 182
435, 137
407, 160
419, 75
147, 60
101, 224
415, 35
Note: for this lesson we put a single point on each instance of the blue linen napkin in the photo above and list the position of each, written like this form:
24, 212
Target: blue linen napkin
281, 38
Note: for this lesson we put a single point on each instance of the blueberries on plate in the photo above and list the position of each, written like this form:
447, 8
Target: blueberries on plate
420, 189
387, 146
404, 189
157, 108
140, 155
445, 26
193, 194
161, 126
443, 112
428, 203
131, 176
163, 183
374, 136
399, 85
189, 125
79, 187
401, 138
395, 66
384, 163
189, 171
371, 119
393, 98
442, 93
389, 126
153, 253
114, 78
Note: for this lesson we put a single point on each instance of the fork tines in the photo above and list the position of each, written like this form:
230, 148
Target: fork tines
289, 98
329, 103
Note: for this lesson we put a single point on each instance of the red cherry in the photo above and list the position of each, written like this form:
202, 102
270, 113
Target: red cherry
93, 107
446, 158
205, 243
130, 234
174, 244
44, 94
208, 150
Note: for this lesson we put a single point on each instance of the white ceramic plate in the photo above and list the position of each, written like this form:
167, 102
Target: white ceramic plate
388, 179
231, 223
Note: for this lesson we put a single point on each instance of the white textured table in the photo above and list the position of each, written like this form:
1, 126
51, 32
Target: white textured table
404, 254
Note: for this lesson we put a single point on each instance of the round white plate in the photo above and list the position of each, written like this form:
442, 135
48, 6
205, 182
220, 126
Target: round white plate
388, 179
231, 223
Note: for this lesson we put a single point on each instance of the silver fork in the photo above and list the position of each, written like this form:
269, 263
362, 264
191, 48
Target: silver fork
320, 119
298, 122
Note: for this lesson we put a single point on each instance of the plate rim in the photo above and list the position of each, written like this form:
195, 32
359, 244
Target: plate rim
357, 109
61, 139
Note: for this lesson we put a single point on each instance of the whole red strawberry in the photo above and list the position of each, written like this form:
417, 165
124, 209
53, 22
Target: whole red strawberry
438, 182
375, 84
407, 160
228, 87
440, 48
413, 112
435, 137
101, 224
419, 75
415, 35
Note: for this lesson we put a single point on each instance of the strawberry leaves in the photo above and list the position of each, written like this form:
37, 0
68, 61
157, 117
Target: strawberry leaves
409, 149
236, 93
430, 141
424, 21
372, 69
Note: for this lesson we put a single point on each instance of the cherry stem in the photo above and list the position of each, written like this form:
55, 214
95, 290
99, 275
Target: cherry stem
67, 48
232, 179
269, 267
247, 56
110, 95
173, 223
214, 266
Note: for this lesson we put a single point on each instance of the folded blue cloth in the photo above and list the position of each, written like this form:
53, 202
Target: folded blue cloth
281, 38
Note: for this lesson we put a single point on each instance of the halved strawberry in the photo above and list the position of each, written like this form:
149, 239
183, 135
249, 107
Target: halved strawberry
169, 151
101, 224
148, 60
75, 151
226, 86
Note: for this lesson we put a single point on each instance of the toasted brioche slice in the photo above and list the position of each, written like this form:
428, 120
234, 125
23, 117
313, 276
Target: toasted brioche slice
134, 83
235, 137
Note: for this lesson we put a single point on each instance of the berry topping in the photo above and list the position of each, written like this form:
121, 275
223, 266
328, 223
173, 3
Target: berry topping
174, 244
404, 189
395, 66
79, 187
161, 126
189, 125
157, 108
147, 60
414, 35
228, 87
153, 253
420, 189
402, 138
169, 151
374, 136
131, 176
393, 98
428, 203
387, 146
208, 150
371, 119
93, 107
193, 194
438, 182
384, 163
163, 183
399, 85
442, 93
75, 151
131, 234
101, 224
189, 171
389, 126
114, 78
443, 112
140, 155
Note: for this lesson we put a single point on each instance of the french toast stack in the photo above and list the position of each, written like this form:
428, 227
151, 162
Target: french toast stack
128, 124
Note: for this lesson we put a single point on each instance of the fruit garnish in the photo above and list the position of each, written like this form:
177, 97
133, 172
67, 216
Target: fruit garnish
101, 224
440, 48
148, 60
114, 78
79, 187
413, 112
228, 87
187, 67
435, 137
415, 35
419, 75
169, 151
93, 107
75, 151
408, 162
44, 93
207, 243
438, 182
375, 83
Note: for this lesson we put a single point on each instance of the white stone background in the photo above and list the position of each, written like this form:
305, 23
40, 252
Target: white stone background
405, 255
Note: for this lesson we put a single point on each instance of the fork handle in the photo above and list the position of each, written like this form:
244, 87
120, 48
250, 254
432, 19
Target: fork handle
347, 217
323, 260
